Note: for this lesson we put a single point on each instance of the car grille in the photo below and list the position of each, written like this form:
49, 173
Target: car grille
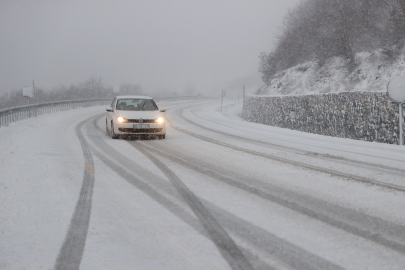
143, 121
141, 130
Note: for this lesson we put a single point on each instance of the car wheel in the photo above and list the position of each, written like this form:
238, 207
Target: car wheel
113, 135
161, 137
106, 127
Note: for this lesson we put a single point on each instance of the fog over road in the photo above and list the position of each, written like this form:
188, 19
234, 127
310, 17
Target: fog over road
217, 193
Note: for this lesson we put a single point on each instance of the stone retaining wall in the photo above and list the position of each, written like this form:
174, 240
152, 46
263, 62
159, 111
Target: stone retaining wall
369, 116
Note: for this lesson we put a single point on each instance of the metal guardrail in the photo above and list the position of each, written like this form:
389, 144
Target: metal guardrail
15, 114
11, 115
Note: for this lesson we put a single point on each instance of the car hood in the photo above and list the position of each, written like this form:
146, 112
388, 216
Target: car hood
139, 114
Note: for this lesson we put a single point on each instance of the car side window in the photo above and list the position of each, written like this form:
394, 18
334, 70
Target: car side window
112, 103
157, 108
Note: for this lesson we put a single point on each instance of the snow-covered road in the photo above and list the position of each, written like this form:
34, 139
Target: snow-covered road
217, 193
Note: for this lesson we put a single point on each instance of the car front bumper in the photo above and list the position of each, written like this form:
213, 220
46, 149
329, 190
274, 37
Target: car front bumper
131, 128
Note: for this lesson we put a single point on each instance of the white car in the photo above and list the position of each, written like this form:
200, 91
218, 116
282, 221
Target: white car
135, 115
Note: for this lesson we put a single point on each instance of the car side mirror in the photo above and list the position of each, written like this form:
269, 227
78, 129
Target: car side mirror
162, 110
109, 110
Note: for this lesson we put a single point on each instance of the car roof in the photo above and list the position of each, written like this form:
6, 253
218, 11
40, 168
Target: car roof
133, 96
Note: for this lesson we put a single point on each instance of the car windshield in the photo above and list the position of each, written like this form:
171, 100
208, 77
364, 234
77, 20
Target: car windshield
139, 104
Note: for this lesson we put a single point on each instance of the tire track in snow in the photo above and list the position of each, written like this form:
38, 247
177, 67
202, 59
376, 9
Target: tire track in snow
71, 252
292, 149
163, 192
368, 227
288, 161
225, 244
295, 150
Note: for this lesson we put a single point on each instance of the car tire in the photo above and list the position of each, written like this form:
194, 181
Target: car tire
106, 128
162, 137
113, 135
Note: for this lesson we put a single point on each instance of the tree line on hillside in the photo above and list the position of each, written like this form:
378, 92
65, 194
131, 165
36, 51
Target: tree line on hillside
316, 30
90, 88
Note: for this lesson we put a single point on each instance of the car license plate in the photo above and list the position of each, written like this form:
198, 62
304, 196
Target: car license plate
141, 126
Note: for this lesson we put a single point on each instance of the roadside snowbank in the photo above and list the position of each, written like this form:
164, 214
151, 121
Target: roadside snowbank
41, 172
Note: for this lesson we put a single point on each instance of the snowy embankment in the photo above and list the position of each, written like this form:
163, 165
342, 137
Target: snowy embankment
372, 72
41, 165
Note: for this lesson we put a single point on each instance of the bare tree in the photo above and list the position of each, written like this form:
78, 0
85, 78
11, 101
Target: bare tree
316, 30
130, 89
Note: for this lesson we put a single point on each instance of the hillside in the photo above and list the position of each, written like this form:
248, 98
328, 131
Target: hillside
371, 73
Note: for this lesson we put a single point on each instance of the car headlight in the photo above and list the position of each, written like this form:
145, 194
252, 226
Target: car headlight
121, 119
159, 120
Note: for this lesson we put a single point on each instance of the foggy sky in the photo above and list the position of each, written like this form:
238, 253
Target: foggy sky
162, 45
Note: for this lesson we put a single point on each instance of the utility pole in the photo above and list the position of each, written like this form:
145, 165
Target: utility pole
401, 118
33, 89
243, 94
223, 93
222, 98
396, 93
